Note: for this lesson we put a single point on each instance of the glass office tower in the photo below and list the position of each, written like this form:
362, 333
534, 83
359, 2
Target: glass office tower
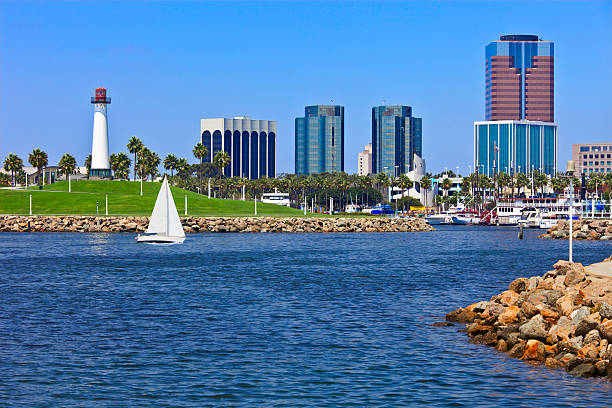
396, 138
319, 140
514, 146
520, 79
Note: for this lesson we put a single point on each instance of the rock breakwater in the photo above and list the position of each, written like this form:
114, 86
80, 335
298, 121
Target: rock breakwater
561, 320
212, 224
588, 229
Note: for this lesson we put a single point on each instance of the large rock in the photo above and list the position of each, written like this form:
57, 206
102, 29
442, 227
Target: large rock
494, 309
575, 274
535, 328
461, 316
592, 337
579, 314
508, 298
534, 350
519, 285
584, 326
583, 370
510, 315
605, 330
563, 329
605, 310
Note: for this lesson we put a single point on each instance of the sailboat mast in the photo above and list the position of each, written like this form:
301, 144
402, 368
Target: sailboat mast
167, 207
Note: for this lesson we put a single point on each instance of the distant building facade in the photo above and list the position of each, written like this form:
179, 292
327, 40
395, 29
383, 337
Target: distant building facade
520, 79
593, 157
514, 146
364, 161
396, 138
251, 145
319, 140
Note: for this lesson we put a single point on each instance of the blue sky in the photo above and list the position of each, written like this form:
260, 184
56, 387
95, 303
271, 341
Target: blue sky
167, 65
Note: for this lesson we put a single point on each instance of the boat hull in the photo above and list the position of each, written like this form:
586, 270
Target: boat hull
159, 239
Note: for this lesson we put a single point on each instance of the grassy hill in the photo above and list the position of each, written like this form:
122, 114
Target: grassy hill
124, 199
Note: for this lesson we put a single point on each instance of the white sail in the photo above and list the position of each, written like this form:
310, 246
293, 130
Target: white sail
175, 228
165, 219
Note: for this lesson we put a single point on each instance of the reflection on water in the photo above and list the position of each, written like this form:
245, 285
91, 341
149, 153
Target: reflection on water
269, 319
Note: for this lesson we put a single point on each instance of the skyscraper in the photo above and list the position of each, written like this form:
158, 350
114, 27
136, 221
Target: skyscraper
518, 134
520, 79
396, 138
319, 140
251, 145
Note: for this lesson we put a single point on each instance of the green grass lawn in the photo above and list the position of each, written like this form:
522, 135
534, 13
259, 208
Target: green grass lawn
124, 199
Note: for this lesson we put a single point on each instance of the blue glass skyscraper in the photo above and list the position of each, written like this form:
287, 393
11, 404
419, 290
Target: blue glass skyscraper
319, 140
396, 138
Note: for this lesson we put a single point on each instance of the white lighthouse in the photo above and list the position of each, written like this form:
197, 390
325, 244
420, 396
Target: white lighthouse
100, 166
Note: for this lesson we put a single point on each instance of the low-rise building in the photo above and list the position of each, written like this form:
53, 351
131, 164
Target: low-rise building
593, 157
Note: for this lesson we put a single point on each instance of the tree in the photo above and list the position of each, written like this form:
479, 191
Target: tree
540, 180
88, 164
221, 161
67, 164
38, 159
382, 181
120, 164
152, 164
522, 181
134, 146
142, 162
446, 185
503, 180
559, 184
14, 164
200, 151
425, 185
170, 163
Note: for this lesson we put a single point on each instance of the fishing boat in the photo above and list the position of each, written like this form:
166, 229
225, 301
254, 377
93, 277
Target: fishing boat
165, 225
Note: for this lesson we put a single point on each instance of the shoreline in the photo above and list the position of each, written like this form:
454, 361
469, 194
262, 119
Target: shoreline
562, 319
584, 229
129, 224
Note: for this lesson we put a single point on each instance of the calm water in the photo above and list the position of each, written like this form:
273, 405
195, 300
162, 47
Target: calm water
269, 319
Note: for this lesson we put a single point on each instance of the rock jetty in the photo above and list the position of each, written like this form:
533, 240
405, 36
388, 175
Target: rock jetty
561, 320
589, 229
14, 223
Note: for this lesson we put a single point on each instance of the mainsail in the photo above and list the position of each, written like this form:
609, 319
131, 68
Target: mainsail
165, 219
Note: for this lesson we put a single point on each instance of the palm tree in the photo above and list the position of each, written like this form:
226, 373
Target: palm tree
540, 180
88, 164
503, 180
221, 161
425, 185
200, 151
558, 184
120, 164
382, 181
142, 161
134, 146
521, 181
14, 164
153, 162
38, 159
170, 163
446, 185
67, 164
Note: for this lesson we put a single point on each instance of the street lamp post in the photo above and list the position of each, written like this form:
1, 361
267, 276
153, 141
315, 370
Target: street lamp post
571, 169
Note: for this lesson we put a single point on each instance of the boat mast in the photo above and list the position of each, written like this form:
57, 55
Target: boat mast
167, 207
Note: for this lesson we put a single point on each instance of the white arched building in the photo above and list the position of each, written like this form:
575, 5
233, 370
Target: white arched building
251, 145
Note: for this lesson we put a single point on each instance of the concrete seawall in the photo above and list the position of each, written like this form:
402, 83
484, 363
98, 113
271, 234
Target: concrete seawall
13, 223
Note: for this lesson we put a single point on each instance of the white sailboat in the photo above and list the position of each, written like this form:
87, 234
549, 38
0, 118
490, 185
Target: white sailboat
165, 225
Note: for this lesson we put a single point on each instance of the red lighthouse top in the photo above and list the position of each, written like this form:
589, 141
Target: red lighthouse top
100, 96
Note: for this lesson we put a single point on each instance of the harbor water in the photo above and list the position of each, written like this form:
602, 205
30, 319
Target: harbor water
317, 320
